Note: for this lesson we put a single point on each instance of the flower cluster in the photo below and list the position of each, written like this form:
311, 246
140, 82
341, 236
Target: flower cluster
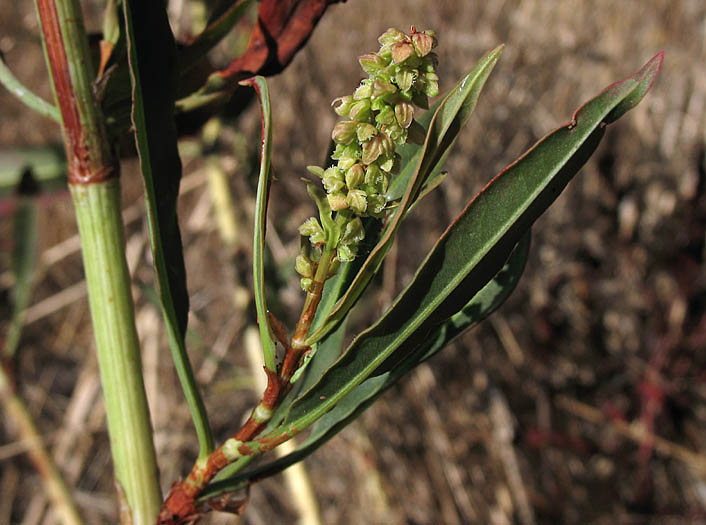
380, 116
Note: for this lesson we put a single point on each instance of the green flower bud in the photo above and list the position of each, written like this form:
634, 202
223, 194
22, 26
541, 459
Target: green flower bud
306, 283
366, 131
363, 91
386, 116
404, 113
342, 105
346, 252
388, 147
312, 229
401, 51
337, 201
423, 42
344, 132
354, 176
346, 163
391, 35
304, 266
379, 104
316, 170
357, 201
354, 232
376, 205
333, 179
405, 78
382, 87
397, 133
374, 176
372, 149
360, 111
372, 63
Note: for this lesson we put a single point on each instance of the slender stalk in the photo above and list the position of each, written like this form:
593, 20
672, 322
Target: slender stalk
92, 174
31, 100
55, 486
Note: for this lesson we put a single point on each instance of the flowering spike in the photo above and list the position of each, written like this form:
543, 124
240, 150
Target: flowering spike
379, 116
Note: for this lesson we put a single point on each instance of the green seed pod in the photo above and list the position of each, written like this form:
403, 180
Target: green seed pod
423, 43
312, 229
386, 116
366, 132
376, 205
355, 176
342, 105
346, 252
316, 170
401, 51
304, 266
344, 132
357, 201
372, 149
363, 91
382, 87
354, 232
337, 201
404, 113
333, 179
405, 78
306, 283
391, 35
360, 110
372, 63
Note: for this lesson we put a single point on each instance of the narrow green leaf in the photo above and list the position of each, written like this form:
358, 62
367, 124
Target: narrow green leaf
263, 187
449, 118
474, 247
32, 101
24, 258
151, 57
481, 306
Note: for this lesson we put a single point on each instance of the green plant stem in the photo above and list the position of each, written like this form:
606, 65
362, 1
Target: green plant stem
55, 486
92, 175
101, 230
31, 100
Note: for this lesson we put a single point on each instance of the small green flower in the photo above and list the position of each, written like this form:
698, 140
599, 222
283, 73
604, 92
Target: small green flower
344, 132
379, 116
304, 266
357, 201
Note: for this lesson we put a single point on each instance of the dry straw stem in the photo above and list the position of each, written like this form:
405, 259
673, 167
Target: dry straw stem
55, 486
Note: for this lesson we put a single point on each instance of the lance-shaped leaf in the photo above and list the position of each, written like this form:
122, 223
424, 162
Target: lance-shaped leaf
483, 304
453, 112
151, 56
263, 187
474, 247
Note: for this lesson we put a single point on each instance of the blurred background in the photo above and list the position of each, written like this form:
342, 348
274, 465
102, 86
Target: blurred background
583, 399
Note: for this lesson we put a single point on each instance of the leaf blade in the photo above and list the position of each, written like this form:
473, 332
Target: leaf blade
260, 221
151, 61
473, 248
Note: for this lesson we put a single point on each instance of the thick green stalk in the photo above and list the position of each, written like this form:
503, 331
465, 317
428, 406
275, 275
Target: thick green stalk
101, 230
92, 174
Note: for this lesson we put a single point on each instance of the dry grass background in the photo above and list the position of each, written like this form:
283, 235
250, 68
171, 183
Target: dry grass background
543, 414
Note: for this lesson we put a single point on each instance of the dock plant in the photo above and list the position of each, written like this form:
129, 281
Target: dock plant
388, 151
